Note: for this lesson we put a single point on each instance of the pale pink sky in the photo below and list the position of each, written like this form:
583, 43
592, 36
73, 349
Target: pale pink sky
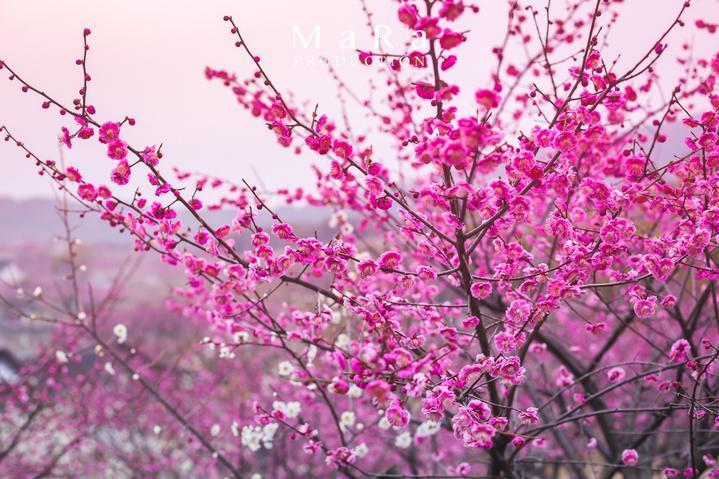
147, 61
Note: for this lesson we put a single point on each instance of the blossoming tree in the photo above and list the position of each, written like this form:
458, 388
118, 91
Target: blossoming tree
532, 294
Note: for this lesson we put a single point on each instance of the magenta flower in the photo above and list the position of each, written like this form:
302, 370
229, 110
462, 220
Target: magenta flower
645, 308
117, 150
487, 98
109, 132
481, 290
630, 457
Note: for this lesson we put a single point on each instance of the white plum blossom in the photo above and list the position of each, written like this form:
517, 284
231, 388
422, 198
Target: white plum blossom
268, 434
347, 228
311, 355
255, 437
226, 352
347, 419
428, 428
354, 392
252, 438
61, 357
285, 368
404, 440
241, 337
361, 450
120, 332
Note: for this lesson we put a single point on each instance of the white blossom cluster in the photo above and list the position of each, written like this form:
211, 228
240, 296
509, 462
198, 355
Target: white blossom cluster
404, 440
226, 352
255, 437
428, 428
361, 450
